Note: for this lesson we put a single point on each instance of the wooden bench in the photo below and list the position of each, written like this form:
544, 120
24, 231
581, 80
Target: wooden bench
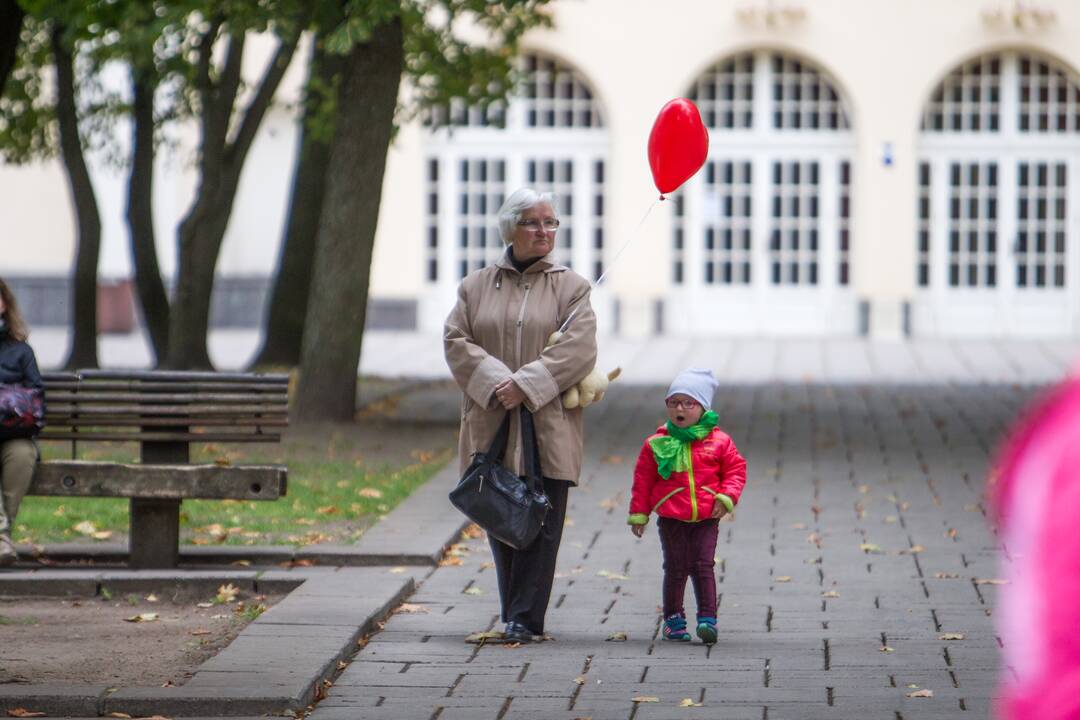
165, 412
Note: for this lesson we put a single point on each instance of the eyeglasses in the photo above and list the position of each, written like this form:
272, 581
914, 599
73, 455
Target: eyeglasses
533, 224
684, 404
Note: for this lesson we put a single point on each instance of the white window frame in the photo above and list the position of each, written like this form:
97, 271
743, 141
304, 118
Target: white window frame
1005, 310
762, 308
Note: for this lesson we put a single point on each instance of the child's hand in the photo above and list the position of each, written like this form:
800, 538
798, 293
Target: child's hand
718, 510
638, 530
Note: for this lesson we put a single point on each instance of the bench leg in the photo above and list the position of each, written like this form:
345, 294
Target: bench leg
155, 533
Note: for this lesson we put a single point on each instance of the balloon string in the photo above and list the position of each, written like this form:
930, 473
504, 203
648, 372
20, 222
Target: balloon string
614, 261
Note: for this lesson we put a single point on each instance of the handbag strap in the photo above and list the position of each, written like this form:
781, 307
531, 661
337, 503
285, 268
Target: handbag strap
531, 450
498, 443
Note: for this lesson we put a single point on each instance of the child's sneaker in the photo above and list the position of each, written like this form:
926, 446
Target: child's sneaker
706, 630
675, 629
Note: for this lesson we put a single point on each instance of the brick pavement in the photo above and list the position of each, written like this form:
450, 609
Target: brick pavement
859, 544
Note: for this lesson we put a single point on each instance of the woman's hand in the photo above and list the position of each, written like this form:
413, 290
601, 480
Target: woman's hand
509, 394
718, 510
638, 530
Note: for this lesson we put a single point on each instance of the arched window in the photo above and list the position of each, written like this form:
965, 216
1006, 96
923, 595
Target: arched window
997, 177
764, 228
550, 137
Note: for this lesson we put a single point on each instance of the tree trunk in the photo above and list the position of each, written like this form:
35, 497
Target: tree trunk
287, 304
11, 19
140, 217
337, 308
201, 232
84, 286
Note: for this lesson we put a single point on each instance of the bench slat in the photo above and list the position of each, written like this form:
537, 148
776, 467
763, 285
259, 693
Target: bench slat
87, 411
152, 436
143, 385
211, 482
270, 420
92, 396
183, 376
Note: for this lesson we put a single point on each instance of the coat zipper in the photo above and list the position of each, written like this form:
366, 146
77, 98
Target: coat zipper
521, 321
693, 490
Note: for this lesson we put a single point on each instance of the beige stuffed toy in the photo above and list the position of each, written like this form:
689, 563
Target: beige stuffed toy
590, 389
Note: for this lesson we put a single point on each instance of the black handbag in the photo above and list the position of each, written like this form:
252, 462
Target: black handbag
22, 411
510, 508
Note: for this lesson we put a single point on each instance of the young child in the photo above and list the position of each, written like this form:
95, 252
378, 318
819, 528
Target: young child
690, 474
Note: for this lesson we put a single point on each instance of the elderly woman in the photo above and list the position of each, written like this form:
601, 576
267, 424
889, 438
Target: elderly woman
495, 341
18, 366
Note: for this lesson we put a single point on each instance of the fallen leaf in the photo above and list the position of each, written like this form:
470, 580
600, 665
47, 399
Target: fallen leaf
890, 519
479, 638
487, 565
830, 594
798, 526
144, 617
991, 581
687, 702
512, 646
369, 492
946, 576
951, 636
972, 508
102, 535
912, 686
199, 632
241, 563
612, 459
152, 598
921, 694
952, 533
204, 604
396, 570
783, 579
23, 712
612, 575
864, 489
411, 608
609, 503
473, 531
474, 591
870, 548
645, 699
886, 649
579, 680
118, 715
914, 549
451, 562
617, 637
226, 594
327, 510
83, 528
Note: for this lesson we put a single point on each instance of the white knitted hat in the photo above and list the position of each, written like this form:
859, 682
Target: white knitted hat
698, 383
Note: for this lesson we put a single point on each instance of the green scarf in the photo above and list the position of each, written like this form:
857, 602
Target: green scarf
672, 451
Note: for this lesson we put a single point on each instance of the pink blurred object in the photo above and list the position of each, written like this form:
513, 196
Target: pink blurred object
1037, 499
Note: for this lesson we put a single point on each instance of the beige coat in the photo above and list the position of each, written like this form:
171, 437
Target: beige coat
498, 329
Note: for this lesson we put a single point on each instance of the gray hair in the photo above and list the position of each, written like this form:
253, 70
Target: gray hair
519, 201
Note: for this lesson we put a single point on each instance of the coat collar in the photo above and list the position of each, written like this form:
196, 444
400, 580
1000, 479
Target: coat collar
545, 264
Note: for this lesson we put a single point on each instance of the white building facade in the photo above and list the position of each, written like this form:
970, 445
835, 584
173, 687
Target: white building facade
876, 167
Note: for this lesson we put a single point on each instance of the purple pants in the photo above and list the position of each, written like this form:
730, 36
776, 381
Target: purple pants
689, 551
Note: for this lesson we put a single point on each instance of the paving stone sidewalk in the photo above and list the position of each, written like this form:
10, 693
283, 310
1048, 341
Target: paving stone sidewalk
860, 546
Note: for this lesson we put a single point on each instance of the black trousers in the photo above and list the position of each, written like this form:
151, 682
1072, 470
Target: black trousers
525, 576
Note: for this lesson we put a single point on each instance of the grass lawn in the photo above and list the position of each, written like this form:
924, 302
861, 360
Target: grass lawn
341, 479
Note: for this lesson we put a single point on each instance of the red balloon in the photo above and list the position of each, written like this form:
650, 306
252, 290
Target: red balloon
678, 145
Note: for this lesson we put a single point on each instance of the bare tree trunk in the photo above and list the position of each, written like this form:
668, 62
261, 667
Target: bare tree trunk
11, 20
140, 216
288, 301
84, 286
334, 329
221, 162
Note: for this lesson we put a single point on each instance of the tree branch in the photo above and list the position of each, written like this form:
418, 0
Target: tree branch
256, 110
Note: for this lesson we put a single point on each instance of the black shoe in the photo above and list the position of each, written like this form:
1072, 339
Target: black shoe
516, 632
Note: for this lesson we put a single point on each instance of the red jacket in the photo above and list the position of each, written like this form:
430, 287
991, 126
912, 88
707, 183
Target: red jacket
717, 474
